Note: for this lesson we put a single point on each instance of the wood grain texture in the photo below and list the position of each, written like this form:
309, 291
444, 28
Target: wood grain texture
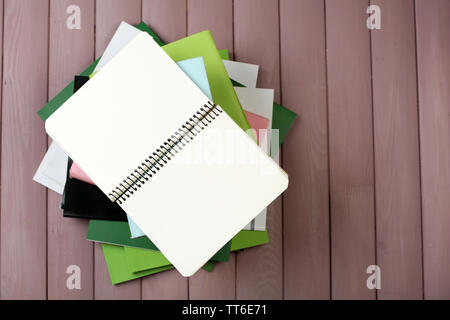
23, 202
350, 148
259, 271
70, 52
372, 133
433, 52
109, 14
166, 17
1, 87
167, 285
168, 20
216, 16
397, 174
104, 290
219, 284
305, 152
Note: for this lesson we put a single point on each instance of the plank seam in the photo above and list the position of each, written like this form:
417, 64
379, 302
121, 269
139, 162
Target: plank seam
420, 151
328, 155
94, 54
237, 253
47, 191
373, 155
281, 155
1, 116
186, 32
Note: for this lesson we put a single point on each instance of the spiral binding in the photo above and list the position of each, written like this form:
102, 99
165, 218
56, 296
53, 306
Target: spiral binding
166, 151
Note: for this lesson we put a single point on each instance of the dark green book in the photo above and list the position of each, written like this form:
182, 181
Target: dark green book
118, 233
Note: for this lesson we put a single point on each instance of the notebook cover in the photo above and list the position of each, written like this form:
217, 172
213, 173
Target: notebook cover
65, 94
52, 169
202, 45
77, 173
247, 239
197, 45
101, 205
116, 262
283, 118
141, 259
84, 200
118, 233
119, 272
257, 123
148, 126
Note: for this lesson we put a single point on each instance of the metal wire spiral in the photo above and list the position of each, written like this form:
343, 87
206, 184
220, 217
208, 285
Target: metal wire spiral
166, 151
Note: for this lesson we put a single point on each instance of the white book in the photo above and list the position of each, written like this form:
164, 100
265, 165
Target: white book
134, 128
52, 171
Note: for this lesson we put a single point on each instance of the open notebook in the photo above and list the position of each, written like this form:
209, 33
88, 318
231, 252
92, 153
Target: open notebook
147, 125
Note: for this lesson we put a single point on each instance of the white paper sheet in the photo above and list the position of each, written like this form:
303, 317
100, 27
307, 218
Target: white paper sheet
53, 169
260, 102
244, 73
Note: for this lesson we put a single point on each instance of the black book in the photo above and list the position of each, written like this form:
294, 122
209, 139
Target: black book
84, 200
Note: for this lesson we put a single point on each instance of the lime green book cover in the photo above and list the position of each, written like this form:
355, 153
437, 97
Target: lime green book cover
118, 233
117, 265
139, 259
197, 45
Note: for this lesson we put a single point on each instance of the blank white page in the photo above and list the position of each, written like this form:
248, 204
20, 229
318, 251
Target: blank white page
128, 108
196, 203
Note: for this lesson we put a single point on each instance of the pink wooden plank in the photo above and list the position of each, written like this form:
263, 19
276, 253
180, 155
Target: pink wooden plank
433, 51
350, 148
397, 173
104, 290
167, 285
305, 152
168, 20
23, 202
166, 17
1, 79
259, 271
109, 14
71, 51
219, 284
216, 16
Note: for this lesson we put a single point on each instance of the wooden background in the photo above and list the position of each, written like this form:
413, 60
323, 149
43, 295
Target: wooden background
368, 157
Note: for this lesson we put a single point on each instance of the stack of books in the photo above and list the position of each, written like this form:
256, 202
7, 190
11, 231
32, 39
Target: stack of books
169, 150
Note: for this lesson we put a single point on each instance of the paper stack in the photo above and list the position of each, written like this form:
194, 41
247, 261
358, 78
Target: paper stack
124, 163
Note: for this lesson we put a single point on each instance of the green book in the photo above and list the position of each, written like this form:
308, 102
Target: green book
63, 95
202, 45
140, 259
117, 265
247, 239
118, 233
199, 44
